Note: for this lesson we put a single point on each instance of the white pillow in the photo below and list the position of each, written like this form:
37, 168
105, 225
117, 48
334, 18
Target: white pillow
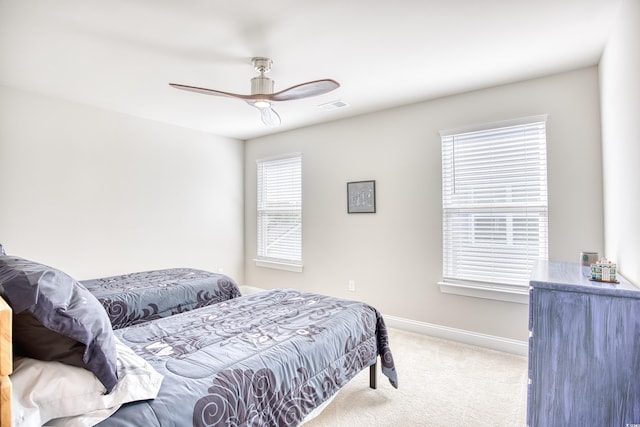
53, 393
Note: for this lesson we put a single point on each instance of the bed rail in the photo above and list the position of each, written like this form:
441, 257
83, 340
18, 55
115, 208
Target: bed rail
6, 363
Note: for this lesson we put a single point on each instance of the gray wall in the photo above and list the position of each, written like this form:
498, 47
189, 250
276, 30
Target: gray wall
394, 256
96, 193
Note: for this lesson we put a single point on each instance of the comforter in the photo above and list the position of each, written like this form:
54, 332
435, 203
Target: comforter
134, 298
265, 359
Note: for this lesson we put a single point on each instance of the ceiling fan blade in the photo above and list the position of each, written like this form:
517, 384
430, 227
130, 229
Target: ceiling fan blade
210, 91
269, 117
305, 90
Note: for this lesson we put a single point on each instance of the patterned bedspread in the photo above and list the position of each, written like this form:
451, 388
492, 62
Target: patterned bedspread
139, 297
265, 359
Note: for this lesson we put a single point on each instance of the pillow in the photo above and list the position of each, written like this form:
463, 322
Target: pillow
64, 395
56, 318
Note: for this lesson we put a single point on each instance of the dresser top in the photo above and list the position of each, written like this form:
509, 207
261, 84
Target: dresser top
568, 276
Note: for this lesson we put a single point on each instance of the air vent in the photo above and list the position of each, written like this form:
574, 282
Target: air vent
333, 105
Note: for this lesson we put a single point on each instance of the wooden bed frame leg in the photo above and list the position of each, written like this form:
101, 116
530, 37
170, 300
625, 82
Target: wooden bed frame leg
373, 376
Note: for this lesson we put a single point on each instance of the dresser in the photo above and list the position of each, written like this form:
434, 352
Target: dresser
584, 350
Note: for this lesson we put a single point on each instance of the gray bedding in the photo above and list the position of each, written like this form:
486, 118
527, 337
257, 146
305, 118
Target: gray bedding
265, 359
135, 298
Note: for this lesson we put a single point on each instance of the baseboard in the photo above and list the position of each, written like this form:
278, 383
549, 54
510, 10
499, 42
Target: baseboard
460, 335
246, 290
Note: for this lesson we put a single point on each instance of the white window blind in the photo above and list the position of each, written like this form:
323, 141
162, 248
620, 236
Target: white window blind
494, 189
279, 210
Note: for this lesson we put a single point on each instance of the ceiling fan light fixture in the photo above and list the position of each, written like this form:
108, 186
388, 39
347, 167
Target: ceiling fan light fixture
261, 103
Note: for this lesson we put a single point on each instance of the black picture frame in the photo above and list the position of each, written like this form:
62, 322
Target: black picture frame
361, 196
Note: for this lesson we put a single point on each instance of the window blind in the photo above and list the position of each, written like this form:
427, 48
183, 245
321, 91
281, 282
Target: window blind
494, 190
279, 210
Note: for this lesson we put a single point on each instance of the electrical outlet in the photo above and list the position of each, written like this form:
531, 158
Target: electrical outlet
352, 285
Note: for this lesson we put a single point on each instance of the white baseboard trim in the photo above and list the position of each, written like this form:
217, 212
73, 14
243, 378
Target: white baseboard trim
493, 342
246, 290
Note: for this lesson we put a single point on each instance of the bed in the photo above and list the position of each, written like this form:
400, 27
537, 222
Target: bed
264, 359
135, 298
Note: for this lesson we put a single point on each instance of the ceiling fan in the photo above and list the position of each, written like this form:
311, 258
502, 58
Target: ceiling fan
262, 96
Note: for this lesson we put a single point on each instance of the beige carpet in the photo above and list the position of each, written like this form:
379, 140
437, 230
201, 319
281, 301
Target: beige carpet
441, 383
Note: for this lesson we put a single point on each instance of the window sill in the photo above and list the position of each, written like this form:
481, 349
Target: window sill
279, 265
486, 291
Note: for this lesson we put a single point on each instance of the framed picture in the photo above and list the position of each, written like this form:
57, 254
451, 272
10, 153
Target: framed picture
361, 197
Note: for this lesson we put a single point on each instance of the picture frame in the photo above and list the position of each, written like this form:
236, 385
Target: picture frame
361, 197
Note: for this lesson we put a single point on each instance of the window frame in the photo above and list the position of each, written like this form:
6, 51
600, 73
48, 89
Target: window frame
263, 213
490, 289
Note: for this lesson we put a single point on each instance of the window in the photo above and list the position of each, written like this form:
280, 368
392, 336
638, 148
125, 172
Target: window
279, 213
494, 198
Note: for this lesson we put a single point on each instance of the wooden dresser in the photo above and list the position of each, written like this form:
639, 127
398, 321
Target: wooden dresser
584, 350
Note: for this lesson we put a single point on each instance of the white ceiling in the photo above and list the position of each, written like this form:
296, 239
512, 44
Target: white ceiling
121, 54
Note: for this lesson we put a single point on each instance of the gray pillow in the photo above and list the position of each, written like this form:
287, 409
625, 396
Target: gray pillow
56, 318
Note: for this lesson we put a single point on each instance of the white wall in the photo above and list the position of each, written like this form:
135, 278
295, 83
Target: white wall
394, 256
620, 94
96, 193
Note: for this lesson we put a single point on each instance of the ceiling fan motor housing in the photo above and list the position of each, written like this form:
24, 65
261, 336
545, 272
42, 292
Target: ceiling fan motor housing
261, 85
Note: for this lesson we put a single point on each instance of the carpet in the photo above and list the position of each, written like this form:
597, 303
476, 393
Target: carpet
441, 383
